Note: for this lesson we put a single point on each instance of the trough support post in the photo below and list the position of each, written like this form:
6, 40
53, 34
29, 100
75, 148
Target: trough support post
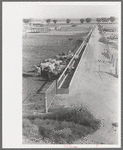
46, 108
56, 87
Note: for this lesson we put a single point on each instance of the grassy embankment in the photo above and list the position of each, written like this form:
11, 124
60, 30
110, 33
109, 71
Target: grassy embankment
61, 127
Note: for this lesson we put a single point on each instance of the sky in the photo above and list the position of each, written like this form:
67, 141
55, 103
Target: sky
42, 10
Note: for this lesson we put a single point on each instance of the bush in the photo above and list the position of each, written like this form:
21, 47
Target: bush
73, 25
64, 126
30, 130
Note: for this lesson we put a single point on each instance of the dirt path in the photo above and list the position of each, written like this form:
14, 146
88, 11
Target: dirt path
94, 87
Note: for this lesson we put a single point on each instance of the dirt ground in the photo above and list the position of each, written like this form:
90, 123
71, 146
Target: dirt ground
96, 88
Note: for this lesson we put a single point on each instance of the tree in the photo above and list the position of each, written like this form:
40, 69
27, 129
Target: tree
98, 19
68, 21
54, 21
88, 20
112, 19
104, 19
81, 20
26, 21
108, 19
48, 20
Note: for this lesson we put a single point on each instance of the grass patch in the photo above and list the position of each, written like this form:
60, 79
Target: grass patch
105, 41
62, 127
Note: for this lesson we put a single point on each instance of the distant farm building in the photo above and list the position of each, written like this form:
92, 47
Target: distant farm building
39, 29
52, 28
58, 28
37, 23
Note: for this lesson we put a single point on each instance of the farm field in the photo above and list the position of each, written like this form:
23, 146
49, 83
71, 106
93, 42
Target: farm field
39, 46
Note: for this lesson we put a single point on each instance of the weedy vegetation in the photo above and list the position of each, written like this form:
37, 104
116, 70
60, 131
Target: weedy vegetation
61, 127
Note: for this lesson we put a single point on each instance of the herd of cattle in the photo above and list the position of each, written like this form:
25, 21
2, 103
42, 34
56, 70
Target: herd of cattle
51, 68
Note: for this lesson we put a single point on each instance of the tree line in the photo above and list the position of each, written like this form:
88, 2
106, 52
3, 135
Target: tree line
88, 20
104, 19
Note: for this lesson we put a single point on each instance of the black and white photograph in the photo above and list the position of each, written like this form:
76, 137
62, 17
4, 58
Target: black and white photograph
65, 65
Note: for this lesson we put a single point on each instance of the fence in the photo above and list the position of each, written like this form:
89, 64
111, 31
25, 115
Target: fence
64, 74
50, 94
46, 97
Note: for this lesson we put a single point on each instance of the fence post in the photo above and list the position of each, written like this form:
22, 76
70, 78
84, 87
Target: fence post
116, 66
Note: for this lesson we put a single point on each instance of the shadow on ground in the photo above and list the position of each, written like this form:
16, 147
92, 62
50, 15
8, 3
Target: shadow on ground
114, 75
25, 75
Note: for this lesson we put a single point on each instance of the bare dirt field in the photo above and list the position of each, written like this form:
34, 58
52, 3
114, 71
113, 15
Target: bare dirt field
38, 47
